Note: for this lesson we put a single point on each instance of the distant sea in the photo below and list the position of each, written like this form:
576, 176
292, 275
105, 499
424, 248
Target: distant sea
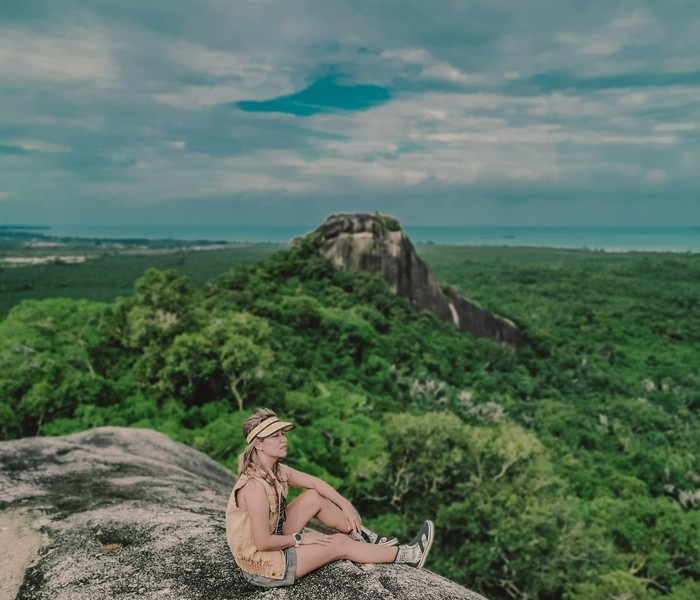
612, 239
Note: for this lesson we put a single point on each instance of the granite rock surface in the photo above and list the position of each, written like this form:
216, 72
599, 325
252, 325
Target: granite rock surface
117, 513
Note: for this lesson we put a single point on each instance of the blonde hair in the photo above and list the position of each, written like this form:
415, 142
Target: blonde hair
249, 457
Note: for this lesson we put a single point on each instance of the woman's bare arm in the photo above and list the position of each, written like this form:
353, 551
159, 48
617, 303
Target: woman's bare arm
252, 497
304, 480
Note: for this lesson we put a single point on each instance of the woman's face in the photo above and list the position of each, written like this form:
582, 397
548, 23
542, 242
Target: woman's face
274, 445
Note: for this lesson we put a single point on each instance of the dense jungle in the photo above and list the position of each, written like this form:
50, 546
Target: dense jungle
567, 469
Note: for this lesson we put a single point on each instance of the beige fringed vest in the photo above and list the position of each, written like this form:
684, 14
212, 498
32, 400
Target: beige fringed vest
239, 534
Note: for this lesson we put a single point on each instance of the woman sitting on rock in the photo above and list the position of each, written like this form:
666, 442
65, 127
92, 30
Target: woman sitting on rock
265, 534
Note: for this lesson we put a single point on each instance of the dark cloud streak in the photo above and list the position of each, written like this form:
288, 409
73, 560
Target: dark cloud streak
323, 95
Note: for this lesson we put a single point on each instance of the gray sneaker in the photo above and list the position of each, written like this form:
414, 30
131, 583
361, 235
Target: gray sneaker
416, 552
369, 537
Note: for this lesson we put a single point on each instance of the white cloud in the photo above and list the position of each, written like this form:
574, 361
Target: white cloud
437, 137
590, 47
257, 72
563, 105
444, 72
205, 60
548, 134
76, 54
632, 28
201, 97
419, 56
238, 76
242, 182
634, 98
431, 68
37, 145
677, 127
656, 176
272, 171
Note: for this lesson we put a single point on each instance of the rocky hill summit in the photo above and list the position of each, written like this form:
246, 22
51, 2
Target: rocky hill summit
377, 243
116, 513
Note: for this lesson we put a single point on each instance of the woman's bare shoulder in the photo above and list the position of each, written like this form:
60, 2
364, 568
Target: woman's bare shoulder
251, 491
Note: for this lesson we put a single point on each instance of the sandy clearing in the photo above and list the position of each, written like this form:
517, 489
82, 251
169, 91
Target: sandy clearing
20, 541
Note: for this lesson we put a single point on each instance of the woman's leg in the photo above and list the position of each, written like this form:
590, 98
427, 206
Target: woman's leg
311, 557
311, 504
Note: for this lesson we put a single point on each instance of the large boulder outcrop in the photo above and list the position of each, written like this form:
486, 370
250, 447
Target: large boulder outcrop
116, 513
377, 243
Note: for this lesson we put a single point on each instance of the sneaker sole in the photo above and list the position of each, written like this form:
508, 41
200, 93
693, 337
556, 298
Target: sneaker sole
431, 531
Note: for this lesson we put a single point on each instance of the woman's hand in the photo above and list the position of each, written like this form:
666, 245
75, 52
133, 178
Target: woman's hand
351, 516
314, 537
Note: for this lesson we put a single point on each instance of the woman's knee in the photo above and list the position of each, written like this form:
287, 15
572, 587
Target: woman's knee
311, 498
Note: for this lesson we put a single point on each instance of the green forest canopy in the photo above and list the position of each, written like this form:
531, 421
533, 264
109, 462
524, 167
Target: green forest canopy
567, 470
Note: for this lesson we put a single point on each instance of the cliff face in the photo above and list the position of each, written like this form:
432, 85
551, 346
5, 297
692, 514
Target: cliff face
125, 513
377, 243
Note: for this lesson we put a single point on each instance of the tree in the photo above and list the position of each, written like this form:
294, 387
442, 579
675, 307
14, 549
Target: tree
47, 348
242, 342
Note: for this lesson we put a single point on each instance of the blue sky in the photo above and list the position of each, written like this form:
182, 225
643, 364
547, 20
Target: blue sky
498, 112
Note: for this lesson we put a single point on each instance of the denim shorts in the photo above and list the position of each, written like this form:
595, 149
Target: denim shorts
290, 555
